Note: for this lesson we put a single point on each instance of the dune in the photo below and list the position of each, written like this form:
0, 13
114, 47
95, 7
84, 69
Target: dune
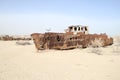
22, 62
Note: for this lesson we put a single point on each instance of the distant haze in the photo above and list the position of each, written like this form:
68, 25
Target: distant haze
29, 16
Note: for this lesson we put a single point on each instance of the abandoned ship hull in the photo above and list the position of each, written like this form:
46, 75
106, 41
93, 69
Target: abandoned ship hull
64, 41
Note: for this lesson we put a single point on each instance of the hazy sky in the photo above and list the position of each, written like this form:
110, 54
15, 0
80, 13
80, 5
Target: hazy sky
28, 16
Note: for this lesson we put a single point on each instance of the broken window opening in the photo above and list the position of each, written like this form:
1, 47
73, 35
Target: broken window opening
75, 28
85, 28
70, 28
81, 28
70, 38
78, 28
58, 38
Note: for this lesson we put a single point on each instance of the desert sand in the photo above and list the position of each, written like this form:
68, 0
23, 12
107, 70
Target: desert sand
18, 62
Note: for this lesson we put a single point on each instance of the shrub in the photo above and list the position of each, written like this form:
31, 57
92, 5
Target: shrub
97, 51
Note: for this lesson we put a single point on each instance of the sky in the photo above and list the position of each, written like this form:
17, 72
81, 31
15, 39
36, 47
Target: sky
29, 16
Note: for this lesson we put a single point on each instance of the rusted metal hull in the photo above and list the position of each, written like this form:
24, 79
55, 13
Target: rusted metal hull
68, 40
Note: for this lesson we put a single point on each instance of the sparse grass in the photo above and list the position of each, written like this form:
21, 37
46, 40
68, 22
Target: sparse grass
97, 51
95, 46
23, 43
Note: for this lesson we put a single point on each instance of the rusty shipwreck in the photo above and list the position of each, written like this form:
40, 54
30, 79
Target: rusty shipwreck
74, 37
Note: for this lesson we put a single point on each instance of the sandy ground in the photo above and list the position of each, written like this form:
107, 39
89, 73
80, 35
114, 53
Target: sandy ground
19, 62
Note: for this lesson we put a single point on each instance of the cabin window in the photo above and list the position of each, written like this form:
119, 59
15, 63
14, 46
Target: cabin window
81, 28
75, 28
78, 28
85, 28
70, 28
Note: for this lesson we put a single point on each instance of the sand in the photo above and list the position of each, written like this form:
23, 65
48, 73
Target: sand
18, 62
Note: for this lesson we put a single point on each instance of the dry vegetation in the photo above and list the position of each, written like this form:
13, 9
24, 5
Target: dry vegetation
95, 46
21, 42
